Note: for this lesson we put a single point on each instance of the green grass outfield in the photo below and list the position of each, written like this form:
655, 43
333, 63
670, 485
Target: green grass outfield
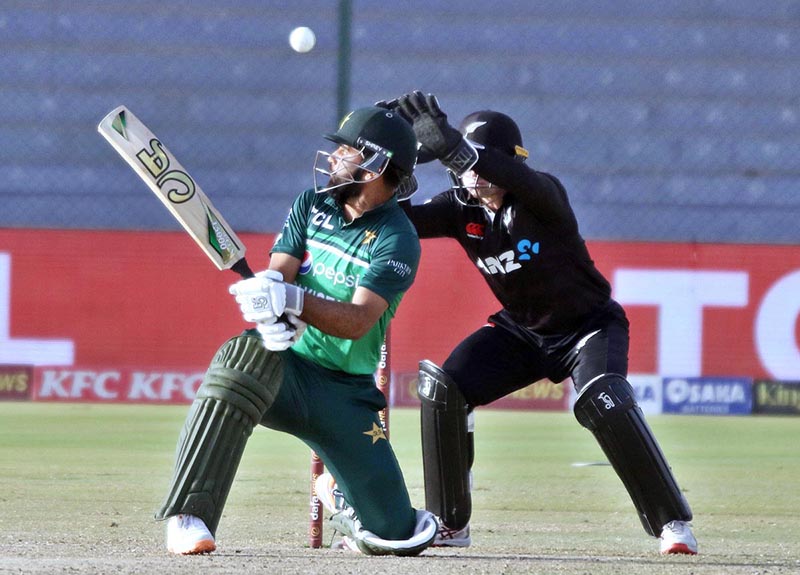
80, 484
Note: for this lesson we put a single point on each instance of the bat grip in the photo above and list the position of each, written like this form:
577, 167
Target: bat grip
243, 269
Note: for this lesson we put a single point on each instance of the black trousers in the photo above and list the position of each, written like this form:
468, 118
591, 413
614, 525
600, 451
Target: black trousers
503, 356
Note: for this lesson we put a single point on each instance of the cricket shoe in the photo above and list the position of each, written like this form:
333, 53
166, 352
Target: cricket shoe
677, 538
446, 537
188, 535
359, 539
333, 500
328, 494
355, 538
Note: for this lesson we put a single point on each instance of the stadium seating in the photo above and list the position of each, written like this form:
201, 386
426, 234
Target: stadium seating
668, 120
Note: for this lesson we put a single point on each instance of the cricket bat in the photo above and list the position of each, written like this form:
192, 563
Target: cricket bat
173, 185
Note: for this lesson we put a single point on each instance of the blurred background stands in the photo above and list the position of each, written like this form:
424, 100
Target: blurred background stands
673, 120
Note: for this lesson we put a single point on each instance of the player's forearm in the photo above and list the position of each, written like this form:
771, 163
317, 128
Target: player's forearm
339, 319
432, 219
534, 189
507, 173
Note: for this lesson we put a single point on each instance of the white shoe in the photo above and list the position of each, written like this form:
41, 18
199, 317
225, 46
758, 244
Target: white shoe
677, 538
328, 494
188, 535
345, 544
446, 537
333, 500
355, 538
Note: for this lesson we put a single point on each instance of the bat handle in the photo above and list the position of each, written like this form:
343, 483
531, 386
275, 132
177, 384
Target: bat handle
243, 269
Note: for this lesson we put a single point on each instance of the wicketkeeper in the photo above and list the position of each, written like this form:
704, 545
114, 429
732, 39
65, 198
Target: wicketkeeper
557, 320
338, 270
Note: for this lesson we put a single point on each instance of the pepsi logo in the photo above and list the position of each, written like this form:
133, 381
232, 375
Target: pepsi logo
307, 263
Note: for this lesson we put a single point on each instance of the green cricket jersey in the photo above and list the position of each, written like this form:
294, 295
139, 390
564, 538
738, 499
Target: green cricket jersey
379, 250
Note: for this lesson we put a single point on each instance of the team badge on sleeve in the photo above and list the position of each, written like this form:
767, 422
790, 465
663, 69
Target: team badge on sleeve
400, 268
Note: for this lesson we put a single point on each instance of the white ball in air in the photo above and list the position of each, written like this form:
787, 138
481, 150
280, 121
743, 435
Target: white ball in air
302, 39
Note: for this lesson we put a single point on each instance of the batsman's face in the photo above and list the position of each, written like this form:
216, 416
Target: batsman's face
343, 170
343, 164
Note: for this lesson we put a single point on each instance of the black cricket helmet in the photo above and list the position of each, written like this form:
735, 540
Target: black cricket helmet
487, 129
384, 138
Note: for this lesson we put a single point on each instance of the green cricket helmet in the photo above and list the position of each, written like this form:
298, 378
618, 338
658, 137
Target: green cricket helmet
384, 138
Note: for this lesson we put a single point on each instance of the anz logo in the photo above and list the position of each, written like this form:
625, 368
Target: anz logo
508, 261
527, 249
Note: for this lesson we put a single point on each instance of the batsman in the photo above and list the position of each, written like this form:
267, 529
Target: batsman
558, 320
337, 272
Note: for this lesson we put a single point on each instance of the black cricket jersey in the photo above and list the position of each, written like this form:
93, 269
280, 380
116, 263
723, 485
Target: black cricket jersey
530, 251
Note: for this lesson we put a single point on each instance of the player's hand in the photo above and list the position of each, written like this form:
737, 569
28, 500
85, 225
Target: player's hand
424, 155
435, 134
387, 104
277, 336
430, 122
266, 296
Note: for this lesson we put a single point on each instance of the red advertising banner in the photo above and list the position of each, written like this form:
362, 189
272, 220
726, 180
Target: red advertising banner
115, 385
152, 300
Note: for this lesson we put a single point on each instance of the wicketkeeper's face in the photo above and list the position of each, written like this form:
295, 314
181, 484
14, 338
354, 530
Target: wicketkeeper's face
476, 184
481, 189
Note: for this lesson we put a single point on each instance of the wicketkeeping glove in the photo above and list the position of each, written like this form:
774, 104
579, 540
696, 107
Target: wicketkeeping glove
278, 336
266, 296
434, 132
424, 155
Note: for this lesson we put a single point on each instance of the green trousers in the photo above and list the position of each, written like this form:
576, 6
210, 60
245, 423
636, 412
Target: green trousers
336, 415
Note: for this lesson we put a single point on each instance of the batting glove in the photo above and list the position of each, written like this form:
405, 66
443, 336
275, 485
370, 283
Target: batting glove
278, 336
266, 296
